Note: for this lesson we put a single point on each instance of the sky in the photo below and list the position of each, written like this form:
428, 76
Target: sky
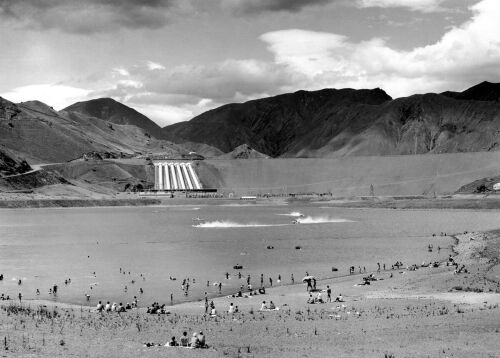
174, 59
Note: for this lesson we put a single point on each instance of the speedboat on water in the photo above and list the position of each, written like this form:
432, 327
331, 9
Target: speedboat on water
198, 221
296, 221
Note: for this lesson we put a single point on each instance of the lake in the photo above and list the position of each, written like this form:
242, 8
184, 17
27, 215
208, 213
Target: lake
43, 247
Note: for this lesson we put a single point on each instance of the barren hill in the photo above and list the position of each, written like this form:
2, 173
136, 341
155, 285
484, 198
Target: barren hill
115, 112
35, 131
244, 151
485, 91
336, 123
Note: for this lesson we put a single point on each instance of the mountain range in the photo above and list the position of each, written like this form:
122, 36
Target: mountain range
324, 123
336, 123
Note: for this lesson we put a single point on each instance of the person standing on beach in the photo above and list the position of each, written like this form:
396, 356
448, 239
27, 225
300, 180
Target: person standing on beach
227, 275
261, 279
171, 298
329, 293
248, 280
220, 287
314, 284
293, 280
270, 281
20, 297
378, 267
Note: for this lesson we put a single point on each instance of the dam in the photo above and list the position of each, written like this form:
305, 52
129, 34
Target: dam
176, 176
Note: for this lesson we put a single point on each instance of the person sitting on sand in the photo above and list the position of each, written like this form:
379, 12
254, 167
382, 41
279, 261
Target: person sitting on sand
184, 339
172, 343
236, 310
272, 306
201, 340
113, 307
99, 307
231, 308
263, 306
128, 306
195, 343
319, 298
339, 298
310, 299
213, 312
107, 308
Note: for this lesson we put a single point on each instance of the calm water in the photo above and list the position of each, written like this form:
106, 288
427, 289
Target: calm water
45, 246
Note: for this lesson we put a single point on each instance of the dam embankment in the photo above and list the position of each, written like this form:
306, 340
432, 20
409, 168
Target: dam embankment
354, 176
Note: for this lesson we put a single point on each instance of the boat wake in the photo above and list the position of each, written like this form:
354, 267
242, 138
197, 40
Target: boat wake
223, 224
320, 220
293, 214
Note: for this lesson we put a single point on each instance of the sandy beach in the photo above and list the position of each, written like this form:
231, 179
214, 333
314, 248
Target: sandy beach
426, 312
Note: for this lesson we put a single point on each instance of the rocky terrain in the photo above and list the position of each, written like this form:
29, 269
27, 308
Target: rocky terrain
11, 165
243, 152
347, 122
36, 132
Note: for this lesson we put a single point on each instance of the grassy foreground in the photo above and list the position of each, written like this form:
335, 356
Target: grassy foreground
428, 312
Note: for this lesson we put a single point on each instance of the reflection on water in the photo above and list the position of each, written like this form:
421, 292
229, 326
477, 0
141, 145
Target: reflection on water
44, 247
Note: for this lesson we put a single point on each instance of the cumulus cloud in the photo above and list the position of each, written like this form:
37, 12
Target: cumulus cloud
417, 5
89, 16
188, 90
257, 6
464, 55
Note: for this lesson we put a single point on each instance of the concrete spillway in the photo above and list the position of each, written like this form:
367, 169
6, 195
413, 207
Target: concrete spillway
176, 176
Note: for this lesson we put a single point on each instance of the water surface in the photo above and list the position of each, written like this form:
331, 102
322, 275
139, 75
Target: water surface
44, 247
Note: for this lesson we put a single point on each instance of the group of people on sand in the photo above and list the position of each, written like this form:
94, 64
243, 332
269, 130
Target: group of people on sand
113, 307
197, 341
233, 308
319, 297
156, 308
268, 307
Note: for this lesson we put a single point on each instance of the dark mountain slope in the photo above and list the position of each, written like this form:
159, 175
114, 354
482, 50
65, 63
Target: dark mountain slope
485, 91
12, 165
332, 123
115, 112
272, 125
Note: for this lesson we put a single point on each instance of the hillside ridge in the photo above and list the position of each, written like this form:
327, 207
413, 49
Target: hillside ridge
348, 122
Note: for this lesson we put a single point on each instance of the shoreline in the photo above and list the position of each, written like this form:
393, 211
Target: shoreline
421, 313
444, 203
456, 249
